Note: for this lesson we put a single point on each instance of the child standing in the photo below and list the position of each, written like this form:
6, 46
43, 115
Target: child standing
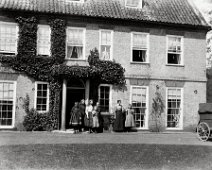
95, 119
75, 119
129, 122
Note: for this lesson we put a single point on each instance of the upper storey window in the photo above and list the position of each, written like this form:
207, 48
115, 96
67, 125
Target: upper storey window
43, 42
140, 47
106, 44
8, 37
133, 3
75, 43
174, 51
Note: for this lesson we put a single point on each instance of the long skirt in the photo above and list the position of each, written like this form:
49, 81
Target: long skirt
95, 122
129, 122
119, 122
74, 120
88, 120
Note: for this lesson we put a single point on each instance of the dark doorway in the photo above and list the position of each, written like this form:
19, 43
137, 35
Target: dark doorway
73, 95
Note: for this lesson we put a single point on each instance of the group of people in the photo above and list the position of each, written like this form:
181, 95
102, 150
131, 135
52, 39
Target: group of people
86, 117
124, 119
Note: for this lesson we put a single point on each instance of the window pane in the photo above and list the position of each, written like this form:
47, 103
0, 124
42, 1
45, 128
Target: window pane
105, 52
104, 98
44, 42
174, 44
139, 105
75, 36
42, 97
173, 110
8, 38
139, 55
75, 52
132, 3
174, 58
140, 41
6, 103
106, 38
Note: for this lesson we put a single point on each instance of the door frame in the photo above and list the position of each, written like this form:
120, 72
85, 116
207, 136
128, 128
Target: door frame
64, 99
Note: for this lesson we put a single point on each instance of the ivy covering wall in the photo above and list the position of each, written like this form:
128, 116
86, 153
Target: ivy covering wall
52, 69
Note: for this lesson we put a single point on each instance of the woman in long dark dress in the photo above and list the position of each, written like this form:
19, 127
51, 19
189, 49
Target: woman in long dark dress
82, 113
75, 120
119, 118
100, 118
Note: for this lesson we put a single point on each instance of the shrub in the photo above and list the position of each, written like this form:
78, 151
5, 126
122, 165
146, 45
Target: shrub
157, 111
35, 121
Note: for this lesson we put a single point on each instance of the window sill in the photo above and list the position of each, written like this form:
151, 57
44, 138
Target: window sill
6, 127
141, 128
43, 55
73, 59
175, 65
42, 112
174, 128
143, 63
8, 54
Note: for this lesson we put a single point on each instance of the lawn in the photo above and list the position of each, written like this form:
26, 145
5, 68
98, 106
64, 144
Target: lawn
106, 156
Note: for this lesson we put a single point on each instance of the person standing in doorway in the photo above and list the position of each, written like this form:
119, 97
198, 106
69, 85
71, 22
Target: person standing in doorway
88, 116
119, 118
75, 119
129, 122
82, 113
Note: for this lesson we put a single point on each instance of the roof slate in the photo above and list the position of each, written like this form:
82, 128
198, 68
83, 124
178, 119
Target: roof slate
180, 12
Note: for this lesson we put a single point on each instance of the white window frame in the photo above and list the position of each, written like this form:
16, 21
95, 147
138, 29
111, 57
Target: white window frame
181, 109
131, 48
146, 127
83, 51
17, 30
139, 6
100, 40
44, 26
110, 97
35, 99
182, 50
14, 104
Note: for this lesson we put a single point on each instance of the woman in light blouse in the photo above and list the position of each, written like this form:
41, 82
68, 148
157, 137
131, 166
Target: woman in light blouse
88, 116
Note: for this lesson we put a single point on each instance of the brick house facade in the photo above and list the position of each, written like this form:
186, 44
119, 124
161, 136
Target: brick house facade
161, 45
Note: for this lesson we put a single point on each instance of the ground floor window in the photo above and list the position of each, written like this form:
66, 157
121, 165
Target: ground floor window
104, 97
139, 104
42, 96
7, 91
174, 107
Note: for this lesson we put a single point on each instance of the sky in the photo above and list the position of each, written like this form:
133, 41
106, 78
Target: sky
205, 6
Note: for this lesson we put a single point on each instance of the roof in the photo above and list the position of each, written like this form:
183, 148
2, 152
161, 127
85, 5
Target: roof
180, 12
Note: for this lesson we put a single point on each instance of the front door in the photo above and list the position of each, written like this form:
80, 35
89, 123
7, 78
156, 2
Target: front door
75, 93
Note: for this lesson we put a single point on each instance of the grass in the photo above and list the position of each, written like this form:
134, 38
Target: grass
106, 156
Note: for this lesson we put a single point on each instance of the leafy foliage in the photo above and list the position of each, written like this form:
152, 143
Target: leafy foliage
27, 35
108, 71
157, 110
34, 121
58, 37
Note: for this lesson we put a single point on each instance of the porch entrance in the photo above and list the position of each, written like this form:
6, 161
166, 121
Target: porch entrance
75, 93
